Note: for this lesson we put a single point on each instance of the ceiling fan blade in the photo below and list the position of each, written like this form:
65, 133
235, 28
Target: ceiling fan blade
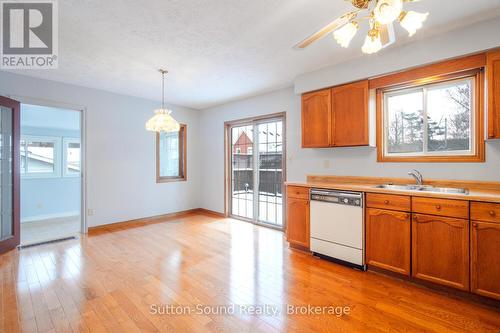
337, 23
387, 35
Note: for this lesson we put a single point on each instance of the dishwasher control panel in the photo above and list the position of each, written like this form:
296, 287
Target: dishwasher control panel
343, 198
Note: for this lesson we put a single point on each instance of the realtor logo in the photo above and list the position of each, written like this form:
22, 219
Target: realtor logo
29, 34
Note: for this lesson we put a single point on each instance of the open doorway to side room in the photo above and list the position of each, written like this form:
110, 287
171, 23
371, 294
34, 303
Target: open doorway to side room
51, 182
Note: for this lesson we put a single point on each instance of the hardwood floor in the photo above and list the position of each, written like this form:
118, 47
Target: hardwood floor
111, 281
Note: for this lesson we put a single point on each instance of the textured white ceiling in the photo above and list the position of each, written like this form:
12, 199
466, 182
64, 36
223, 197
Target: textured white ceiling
216, 51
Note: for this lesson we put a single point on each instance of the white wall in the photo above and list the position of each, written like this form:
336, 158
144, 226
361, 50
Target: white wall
120, 152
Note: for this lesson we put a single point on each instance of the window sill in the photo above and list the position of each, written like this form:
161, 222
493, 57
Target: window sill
170, 179
433, 159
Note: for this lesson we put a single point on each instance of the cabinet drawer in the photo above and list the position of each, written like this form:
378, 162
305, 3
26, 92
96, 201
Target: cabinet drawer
442, 207
483, 211
298, 192
388, 201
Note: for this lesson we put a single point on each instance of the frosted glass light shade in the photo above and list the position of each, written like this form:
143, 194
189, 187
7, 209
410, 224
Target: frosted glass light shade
372, 44
344, 35
387, 11
412, 21
162, 121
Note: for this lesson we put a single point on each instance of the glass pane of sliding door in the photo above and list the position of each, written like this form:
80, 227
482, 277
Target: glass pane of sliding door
257, 171
270, 158
242, 173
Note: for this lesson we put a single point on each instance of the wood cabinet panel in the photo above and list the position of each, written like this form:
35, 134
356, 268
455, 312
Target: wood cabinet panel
388, 240
316, 119
350, 115
388, 201
297, 227
440, 250
442, 207
493, 75
297, 192
485, 211
484, 251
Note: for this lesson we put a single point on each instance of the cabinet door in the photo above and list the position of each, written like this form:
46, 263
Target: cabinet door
440, 247
350, 115
297, 227
493, 72
485, 268
388, 240
316, 119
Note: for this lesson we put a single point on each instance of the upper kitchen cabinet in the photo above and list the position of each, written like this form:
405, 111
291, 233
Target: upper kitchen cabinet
336, 117
493, 74
316, 119
350, 115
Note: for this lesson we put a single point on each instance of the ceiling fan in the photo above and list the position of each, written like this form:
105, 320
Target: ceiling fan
381, 14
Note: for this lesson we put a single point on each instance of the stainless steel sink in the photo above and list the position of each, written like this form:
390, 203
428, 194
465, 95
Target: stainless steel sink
423, 188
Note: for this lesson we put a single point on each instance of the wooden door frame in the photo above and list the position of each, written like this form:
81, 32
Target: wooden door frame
13, 241
83, 145
227, 161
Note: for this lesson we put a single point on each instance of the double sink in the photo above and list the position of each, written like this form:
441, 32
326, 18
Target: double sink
423, 188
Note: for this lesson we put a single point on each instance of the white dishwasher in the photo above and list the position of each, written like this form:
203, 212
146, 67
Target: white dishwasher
337, 226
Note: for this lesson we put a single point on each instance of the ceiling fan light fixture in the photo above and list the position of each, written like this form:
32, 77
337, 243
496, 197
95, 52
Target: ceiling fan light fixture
387, 11
412, 21
372, 44
344, 35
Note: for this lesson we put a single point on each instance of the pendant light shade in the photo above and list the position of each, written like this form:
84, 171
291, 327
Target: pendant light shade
162, 121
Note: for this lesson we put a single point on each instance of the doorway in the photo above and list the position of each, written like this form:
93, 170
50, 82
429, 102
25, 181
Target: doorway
51, 175
256, 169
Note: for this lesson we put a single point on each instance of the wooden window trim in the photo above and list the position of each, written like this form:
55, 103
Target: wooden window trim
182, 159
479, 151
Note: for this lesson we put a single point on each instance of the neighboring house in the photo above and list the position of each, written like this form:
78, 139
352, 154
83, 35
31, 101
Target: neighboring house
244, 145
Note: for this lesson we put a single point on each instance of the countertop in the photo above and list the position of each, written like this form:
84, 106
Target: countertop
485, 195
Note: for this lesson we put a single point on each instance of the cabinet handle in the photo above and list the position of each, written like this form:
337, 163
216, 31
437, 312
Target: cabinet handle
438, 207
492, 213
415, 218
474, 225
386, 202
407, 216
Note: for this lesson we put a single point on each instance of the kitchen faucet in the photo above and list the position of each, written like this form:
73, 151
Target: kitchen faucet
418, 177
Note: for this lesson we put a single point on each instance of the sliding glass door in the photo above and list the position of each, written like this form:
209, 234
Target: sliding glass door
257, 171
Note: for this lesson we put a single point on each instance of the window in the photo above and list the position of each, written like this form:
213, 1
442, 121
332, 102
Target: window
71, 157
171, 156
40, 157
438, 121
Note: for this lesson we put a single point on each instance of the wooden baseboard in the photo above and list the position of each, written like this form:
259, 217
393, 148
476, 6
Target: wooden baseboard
151, 220
211, 213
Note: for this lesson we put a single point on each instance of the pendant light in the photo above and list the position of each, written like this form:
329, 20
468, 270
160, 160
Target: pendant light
162, 121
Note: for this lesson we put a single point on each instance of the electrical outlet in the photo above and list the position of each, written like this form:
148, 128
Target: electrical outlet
326, 164
90, 212
39, 205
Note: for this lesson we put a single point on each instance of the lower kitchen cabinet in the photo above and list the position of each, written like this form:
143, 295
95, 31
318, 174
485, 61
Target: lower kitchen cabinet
440, 250
388, 240
297, 215
485, 267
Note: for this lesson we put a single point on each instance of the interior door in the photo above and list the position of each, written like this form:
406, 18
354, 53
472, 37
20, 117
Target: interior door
9, 174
